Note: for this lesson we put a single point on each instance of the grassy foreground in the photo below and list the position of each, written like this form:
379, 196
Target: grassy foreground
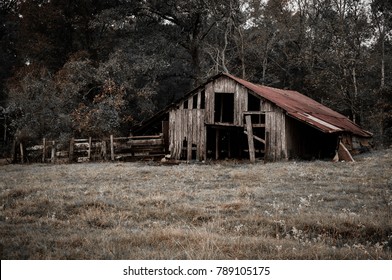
225, 210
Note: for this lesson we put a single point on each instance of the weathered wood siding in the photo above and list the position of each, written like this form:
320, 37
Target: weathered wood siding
188, 121
226, 85
210, 101
187, 127
275, 130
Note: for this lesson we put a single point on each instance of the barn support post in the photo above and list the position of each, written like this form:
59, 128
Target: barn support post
217, 144
249, 132
344, 154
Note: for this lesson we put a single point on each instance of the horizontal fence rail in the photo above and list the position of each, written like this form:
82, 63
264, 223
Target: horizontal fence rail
147, 147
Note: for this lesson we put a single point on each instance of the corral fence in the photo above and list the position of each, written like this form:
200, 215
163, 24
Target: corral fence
149, 147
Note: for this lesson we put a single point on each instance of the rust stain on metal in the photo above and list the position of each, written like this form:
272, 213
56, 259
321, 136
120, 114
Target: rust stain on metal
305, 109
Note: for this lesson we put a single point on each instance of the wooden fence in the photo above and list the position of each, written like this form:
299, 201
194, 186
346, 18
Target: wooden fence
83, 150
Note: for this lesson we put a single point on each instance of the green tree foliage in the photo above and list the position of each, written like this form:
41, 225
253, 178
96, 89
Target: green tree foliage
90, 68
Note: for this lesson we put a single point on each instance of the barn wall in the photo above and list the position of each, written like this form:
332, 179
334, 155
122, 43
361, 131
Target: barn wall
183, 122
187, 133
226, 85
275, 130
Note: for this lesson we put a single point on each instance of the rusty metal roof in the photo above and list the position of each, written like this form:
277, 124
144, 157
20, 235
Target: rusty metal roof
305, 109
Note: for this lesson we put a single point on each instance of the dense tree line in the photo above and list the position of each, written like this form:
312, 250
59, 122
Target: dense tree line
90, 68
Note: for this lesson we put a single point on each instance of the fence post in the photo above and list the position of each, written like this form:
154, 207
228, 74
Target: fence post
43, 149
71, 149
89, 149
111, 147
21, 152
103, 150
53, 153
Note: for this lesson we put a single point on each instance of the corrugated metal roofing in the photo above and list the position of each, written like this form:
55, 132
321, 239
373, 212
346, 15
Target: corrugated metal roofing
305, 109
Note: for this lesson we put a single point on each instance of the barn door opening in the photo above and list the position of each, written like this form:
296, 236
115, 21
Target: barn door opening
226, 143
255, 131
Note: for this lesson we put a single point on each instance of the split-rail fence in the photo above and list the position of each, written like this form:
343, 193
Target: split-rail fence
89, 149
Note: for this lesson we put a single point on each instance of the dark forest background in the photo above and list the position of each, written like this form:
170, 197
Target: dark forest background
77, 68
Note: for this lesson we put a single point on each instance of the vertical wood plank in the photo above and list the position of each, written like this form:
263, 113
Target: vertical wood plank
190, 128
202, 136
289, 138
165, 135
179, 139
267, 141
175, 132
198, 100
282, 132
204, 142
268, 155
172, 133
237, 106
244, 104
210, 99
284, 141
218, 85
249, 131
217, 135
273, 136
195, 124
198, 134
278, 142
184, 131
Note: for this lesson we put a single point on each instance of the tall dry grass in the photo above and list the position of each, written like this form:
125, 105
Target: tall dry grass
224, 210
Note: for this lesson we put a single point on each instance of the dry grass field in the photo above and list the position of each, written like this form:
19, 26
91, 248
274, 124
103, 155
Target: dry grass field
224, 210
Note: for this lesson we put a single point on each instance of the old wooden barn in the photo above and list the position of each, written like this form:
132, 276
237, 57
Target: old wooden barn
228, 117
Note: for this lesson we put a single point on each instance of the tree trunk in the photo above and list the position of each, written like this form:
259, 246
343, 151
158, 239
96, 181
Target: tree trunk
354, 101
265, 64
382, 61
195, 53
